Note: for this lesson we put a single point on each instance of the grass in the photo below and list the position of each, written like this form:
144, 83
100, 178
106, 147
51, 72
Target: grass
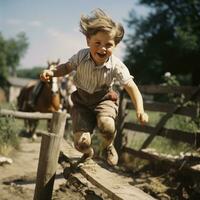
8, 135
10, 129
8, 132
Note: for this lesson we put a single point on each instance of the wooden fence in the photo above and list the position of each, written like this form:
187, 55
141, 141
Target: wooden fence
153, 101
51, 146
49, 150
157, 99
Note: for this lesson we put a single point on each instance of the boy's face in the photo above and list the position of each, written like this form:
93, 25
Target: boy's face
101, 46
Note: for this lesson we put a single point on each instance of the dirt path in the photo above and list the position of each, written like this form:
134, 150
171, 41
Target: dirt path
17, 180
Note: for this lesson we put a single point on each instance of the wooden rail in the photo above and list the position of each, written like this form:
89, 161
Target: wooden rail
28, 115
161, 89
182, 136
25, 115
190, 111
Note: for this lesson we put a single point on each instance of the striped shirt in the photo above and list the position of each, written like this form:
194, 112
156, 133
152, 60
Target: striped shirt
92, 78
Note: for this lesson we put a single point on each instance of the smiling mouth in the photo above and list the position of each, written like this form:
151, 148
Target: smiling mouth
101, 55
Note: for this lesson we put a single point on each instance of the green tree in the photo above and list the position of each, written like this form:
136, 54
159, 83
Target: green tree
168, 39
30, 73
3, 70
11, 51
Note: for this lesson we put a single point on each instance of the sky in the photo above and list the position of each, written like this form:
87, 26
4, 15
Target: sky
52, 26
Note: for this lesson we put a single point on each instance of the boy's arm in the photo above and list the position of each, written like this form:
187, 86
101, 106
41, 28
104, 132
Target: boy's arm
137, 100
60, 70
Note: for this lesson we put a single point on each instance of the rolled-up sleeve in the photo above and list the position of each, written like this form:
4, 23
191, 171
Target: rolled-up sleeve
77, 58
122, 73
74, 61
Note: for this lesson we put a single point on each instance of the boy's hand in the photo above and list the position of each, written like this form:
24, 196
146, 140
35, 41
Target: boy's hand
142, 117
46, 75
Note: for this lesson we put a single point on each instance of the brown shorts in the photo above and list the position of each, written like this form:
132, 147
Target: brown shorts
87, 107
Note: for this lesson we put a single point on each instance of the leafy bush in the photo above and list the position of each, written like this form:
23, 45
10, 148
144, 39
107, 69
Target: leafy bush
8, 136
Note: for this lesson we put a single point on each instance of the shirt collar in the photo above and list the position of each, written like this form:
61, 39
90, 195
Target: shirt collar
106, 64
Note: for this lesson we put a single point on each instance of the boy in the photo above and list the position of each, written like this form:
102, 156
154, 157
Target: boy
95, 103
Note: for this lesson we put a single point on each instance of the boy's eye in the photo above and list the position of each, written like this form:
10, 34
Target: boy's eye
109, 45
97, 43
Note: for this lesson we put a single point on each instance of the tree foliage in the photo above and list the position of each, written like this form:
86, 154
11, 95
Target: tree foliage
30, 73
11, 51
168, 39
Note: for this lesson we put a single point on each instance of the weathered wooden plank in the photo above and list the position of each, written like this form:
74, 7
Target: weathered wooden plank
25, 115
28, 115
156, 157
117, 187
166, 107
161, 89
182, 136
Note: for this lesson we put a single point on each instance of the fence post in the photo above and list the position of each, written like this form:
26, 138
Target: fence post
48, 159
120, 122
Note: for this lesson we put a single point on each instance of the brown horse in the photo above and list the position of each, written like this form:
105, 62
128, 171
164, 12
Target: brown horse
41, 97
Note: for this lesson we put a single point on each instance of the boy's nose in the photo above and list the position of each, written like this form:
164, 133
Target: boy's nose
102, 49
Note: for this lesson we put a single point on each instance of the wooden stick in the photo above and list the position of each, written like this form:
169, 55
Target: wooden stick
48, 160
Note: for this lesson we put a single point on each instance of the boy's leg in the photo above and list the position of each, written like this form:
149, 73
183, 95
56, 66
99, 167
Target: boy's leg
106, 126
107, 111
82, 142
83, 122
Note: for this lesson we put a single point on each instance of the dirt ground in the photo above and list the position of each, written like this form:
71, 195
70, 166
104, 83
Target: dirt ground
165, 182
17, 180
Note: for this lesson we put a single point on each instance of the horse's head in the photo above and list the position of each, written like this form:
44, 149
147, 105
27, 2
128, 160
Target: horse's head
54, 82
52, 65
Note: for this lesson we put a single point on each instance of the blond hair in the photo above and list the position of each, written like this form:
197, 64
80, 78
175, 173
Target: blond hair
100, 21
